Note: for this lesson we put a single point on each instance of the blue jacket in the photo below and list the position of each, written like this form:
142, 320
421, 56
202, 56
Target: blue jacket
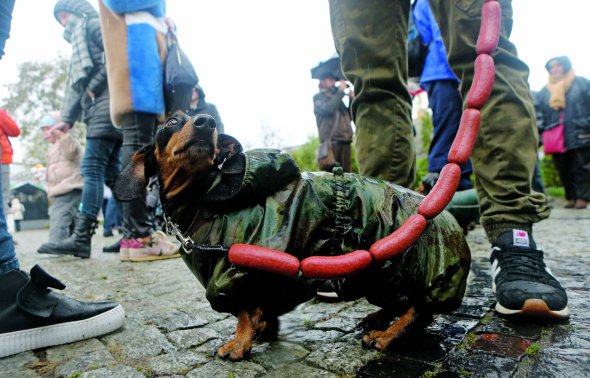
436, 66
135, 50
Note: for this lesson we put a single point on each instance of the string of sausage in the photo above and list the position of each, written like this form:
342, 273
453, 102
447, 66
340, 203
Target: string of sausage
333, 267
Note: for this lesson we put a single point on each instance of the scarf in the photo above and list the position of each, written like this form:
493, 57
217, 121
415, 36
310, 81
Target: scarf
558, 89
81, 63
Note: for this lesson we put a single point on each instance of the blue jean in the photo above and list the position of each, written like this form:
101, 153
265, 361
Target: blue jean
446, 103
8, 260
112, 214
100, 165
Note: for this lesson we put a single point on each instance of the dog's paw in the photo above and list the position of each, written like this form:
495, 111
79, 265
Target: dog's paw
376, 340
234, 350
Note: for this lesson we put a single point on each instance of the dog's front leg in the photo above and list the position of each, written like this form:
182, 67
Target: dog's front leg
241, 345
380, 340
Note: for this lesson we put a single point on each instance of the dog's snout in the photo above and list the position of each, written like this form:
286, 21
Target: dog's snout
204, 120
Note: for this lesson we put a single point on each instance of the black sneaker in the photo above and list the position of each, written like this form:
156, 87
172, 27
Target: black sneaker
113, 248
522, 283
33, 316
327, 292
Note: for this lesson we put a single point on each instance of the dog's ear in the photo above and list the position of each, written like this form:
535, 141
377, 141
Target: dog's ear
227, 146
133, 179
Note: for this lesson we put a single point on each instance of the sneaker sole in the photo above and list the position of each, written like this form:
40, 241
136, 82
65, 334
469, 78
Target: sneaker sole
328, 297
535, 308
152, 258
63, 333
124, 254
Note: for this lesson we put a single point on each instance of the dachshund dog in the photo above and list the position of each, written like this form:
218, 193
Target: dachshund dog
217, 195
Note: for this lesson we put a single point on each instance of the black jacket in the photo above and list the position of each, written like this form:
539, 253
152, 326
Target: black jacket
96, 114
204, 107
576, 116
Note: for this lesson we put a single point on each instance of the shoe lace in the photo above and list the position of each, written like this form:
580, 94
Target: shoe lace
522, 264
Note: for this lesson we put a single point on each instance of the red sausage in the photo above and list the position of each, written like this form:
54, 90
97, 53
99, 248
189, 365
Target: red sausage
465, 138
334, 267
489, 32
400, 240
483, 82
269, 260
442, 192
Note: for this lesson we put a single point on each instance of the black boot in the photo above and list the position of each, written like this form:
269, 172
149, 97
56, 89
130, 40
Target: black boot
113, 248
78, 244
33, 316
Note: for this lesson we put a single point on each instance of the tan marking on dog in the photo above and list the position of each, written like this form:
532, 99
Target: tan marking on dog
178, 170
238, 347
380, 340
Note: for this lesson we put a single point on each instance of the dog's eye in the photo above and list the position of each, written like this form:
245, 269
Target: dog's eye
172, 121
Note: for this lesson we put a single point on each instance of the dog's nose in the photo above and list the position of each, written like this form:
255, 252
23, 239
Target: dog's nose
204, 120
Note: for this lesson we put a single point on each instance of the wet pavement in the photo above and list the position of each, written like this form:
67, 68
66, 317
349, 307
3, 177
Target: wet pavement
170, 329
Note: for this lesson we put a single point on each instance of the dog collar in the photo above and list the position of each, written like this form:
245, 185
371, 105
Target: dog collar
187, 243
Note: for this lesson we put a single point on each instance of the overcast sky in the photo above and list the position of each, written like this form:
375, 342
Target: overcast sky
253, 57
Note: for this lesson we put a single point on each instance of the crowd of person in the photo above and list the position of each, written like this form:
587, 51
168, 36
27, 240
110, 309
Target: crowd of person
122, 117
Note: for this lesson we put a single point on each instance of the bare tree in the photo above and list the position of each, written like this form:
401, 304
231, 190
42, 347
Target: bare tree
38, 89
271, 137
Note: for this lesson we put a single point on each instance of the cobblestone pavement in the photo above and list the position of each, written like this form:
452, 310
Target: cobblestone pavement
170, 329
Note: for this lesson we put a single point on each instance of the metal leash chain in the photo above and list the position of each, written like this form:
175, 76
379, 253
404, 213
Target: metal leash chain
187, 243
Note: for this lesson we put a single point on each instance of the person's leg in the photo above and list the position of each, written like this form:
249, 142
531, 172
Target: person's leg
97, 156
140, 242
538, 179
61, 215
371, 39
112, 172
94, 170
5, 177
581, 176
113, 213
446, 103
505, 151
138, 131
346, 157
8, 260
563, 170
504, 158
342, 155
112, 217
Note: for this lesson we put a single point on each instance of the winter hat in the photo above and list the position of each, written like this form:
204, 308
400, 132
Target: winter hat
50, 119
563, 60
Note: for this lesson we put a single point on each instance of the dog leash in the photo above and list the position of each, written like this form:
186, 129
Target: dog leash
187, 243
335, 267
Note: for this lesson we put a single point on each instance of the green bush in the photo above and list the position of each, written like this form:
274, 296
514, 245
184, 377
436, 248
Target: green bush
549, 173
421, 171
426, 130
305, 155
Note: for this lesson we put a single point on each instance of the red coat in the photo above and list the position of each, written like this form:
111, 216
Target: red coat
8, 128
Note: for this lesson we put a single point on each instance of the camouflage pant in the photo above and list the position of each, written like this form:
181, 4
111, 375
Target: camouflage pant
371, 39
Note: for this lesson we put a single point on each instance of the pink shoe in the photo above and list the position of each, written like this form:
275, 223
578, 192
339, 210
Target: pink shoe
125, 245
158, 248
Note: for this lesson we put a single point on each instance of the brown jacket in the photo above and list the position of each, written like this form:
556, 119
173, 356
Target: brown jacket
63, 166
327, 106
